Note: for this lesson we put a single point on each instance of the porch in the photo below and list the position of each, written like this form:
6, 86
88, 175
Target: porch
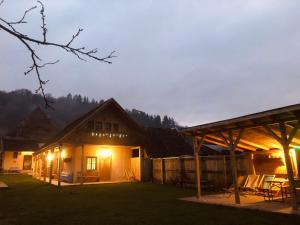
273, 138
72, 165
253, 202
55, 182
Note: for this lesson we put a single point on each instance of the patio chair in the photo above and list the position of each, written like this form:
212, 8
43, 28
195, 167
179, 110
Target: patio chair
251, 183
264, 187
241, 181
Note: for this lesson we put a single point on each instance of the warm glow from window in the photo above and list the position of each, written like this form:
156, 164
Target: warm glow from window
91, 163
105, 153
49, 157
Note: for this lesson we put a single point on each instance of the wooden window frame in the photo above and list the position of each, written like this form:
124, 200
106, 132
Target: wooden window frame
91, 165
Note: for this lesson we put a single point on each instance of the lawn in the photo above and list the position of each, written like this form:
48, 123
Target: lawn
28, 201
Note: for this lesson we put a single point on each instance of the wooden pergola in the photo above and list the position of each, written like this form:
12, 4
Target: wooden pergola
272, 129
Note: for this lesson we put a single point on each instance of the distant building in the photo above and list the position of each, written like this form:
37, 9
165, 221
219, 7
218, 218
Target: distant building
18, 146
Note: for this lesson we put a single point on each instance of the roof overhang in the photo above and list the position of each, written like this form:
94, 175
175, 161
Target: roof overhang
254, 136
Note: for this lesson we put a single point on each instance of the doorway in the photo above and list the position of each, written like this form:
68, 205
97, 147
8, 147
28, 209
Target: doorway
105, 168
27, 162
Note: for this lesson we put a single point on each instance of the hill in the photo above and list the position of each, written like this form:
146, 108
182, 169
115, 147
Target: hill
16, 105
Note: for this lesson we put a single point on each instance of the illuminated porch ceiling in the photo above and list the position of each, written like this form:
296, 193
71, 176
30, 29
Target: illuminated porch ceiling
255, 136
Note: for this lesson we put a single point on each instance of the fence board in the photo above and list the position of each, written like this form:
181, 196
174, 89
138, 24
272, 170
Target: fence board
215, 170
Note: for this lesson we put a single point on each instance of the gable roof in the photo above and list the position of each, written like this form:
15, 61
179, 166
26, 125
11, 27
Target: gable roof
18, 144
36, 126
85, 117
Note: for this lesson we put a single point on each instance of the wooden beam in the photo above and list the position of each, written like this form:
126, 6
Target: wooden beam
225, 139
273, 134
293, 132
59, 168
220, 140
82, 164
197, 148
238, 138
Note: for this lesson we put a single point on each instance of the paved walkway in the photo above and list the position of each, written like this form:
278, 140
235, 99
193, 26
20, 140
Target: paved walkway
247, 201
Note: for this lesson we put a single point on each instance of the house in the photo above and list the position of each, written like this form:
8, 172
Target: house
18, 146
105, 144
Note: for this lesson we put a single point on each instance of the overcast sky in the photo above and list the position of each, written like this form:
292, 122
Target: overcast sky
197, 61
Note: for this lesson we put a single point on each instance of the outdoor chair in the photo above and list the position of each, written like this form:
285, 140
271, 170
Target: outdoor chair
241, 181
251, 183
264, 187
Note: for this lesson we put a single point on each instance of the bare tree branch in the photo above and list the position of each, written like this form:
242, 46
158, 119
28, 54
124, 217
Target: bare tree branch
80, 52
22, 20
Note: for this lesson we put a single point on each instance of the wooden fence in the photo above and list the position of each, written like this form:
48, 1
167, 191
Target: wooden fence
215, 170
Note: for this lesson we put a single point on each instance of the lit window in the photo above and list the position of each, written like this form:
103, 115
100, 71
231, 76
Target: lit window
91, 163
135, 153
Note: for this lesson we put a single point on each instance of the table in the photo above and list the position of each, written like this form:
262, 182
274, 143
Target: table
279, 184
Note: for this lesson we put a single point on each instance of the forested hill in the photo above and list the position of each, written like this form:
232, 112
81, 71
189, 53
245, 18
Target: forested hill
16, 105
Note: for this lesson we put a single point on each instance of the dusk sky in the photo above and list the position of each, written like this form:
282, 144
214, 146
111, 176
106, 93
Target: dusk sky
197, 61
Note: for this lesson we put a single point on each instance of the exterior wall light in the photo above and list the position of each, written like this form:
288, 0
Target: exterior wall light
105, 153
49, 157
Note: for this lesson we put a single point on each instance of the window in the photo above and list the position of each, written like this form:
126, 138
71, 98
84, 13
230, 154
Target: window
108, 127
91, 163
90, 125
116, 127
15, 155
98, 126
135, 153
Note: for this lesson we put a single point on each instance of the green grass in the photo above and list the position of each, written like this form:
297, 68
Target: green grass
28, 201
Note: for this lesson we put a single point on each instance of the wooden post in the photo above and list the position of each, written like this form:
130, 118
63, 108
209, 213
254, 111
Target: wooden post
82, 164
40, 167
45, 166
232, 144
297, 152
234, 171
74, 164
285, 141
225, 171
197, 148
59, 168
180, 166
285, 145
141, 164
50, 169
163, 171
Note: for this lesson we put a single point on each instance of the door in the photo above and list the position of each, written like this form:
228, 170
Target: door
27, 162
105, 169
